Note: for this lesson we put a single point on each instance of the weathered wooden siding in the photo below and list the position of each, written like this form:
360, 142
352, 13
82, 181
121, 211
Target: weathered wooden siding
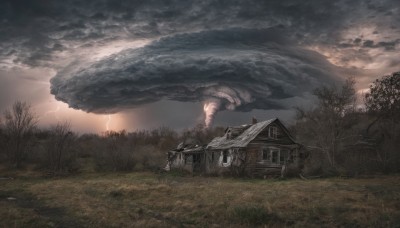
214, 164
182, 162
282, 137
256, 166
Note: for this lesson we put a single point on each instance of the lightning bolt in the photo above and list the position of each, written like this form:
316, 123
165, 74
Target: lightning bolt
53, 111
108, 122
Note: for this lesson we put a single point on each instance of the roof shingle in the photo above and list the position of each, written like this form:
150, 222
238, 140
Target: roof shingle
242, 140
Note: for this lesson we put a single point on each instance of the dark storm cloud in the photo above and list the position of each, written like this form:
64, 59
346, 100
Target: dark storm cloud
235, 69
387, 45
35, 30
203, 53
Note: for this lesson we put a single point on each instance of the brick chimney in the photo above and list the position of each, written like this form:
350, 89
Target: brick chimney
254, 120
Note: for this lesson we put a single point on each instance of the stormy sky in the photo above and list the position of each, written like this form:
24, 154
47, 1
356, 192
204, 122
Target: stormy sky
141, 64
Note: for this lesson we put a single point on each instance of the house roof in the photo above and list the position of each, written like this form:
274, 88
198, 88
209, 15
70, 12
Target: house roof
243, 139
197, 149
190, 149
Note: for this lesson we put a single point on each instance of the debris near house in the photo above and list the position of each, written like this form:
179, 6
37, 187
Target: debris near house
260, 149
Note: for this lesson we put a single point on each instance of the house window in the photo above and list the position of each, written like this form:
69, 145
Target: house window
272, 155
275, 155
273, 132
225, 156
212, 156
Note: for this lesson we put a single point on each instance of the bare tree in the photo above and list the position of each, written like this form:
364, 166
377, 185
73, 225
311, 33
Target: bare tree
19, 125
60, 147
2, 141
116, 152
323, 127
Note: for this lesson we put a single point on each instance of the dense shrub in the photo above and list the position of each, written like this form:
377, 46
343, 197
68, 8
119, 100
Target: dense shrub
114, 152
19, 127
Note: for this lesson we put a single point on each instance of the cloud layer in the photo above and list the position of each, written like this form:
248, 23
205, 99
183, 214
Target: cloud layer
35, 32
196, 51
234, 69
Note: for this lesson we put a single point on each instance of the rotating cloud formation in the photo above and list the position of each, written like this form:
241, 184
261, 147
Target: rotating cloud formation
233, 69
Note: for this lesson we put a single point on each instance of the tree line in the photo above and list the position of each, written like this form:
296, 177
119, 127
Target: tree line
58, 150
339, 137
342, 137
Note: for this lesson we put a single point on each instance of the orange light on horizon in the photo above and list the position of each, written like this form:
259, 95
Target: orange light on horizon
53, 112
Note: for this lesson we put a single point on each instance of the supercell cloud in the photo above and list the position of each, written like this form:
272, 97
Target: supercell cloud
245, 55
232, 69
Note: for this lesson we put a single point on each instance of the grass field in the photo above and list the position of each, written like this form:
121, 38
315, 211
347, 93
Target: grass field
167, 200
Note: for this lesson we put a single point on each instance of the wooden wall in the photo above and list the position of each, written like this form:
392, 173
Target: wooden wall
282, 139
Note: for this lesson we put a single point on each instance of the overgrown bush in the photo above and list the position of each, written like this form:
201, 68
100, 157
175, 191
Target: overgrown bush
3, 155
19, 126
114, 152
343, 140
323, 127
149, 157
61, 149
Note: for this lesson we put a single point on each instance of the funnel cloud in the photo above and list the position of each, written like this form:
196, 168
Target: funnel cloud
235, 69
176, 63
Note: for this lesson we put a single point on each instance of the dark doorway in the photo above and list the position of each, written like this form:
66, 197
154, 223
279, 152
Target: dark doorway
196, 162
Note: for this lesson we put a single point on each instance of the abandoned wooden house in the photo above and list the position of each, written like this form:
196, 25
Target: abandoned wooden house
189, 157
257, 149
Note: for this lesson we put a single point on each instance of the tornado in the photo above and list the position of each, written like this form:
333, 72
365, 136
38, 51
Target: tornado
234, 69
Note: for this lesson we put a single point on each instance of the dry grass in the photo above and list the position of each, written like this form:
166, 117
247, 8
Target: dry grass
151, 200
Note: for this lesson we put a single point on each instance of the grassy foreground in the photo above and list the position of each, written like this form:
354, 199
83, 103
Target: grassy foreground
167, 200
